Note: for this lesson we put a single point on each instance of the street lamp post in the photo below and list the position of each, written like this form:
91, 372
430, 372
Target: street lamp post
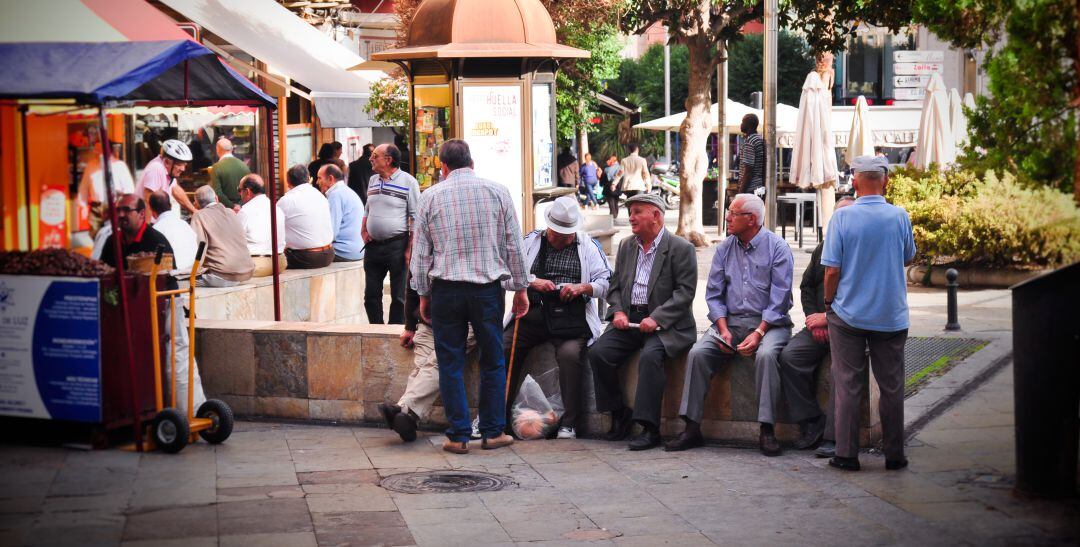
770, 112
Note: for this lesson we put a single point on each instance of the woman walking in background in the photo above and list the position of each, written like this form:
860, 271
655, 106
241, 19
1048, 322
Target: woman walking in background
590, 175
610, 181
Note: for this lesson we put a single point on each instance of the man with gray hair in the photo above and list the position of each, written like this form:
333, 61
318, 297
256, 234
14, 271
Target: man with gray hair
867, 248
226, 261
226, 174
748, 295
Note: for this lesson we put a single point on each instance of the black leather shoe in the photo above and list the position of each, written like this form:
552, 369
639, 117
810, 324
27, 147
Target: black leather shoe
388, 412
895, 465
648, 439
811, 432
685, 441
768, 443
826, 449
847, 464
405, 426
621, 423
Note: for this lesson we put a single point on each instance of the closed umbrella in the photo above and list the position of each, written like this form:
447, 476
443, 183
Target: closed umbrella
861, 136
957, 119
813, 159
937, 142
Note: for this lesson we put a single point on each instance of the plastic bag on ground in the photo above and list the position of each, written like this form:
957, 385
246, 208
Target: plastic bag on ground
535, 415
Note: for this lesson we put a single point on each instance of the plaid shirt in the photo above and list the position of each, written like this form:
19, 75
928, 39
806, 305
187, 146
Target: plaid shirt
752, 154
559, 266
466, 230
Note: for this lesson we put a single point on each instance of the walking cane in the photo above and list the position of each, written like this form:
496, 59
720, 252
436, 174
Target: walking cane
510, 365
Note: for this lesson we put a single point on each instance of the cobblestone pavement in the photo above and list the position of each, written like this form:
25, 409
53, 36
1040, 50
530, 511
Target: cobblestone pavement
294, 485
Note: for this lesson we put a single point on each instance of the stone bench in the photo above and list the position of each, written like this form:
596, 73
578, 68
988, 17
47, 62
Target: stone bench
331, 294
337, 372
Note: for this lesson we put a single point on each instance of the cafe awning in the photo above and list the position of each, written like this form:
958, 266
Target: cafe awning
290, 46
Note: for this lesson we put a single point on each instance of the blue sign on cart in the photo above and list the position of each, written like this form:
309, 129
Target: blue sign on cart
50, 348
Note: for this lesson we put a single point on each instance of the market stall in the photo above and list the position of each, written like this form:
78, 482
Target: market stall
47, 75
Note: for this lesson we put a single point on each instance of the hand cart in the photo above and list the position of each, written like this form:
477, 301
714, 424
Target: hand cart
172, 429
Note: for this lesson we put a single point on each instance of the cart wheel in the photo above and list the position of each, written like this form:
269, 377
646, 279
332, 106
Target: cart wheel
171, 430
222, 416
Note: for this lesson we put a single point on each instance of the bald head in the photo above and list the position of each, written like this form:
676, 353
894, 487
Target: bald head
224, 146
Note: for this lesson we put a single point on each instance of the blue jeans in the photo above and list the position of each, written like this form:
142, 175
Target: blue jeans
454, 306
589, 189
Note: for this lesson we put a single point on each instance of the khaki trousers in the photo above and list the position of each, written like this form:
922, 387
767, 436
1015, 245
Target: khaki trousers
264, 265
423, 384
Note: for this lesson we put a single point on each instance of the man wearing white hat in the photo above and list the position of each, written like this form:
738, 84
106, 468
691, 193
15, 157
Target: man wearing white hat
867, 247
568, 271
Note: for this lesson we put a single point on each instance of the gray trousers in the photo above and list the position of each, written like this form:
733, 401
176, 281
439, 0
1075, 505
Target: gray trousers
848, 366
798, 364
705, 360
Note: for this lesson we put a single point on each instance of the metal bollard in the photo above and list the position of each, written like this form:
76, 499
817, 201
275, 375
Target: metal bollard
950, 276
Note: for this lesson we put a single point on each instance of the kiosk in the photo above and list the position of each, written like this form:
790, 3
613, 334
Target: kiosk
484, 71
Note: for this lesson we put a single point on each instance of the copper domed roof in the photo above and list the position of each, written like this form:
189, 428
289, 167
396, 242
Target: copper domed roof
480, 28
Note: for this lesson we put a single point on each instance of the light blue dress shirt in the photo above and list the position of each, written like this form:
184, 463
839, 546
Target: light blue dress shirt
751, 280
347, 220
870, 242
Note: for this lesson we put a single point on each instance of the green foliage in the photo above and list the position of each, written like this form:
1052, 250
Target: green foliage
643, 78
1028, 123
827, 24
794, 61
988, 221
578, 81
389, 102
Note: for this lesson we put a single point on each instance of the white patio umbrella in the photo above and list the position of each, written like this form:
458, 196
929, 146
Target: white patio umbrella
937, 142
733, 115
861, 135
813, 159
957, 119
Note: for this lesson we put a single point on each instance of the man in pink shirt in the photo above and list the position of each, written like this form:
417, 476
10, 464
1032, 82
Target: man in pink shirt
160, 175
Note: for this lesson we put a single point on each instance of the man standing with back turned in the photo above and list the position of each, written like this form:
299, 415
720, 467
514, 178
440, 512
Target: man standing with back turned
868, 246
467, 248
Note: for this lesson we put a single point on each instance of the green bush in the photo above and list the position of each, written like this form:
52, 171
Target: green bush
991, 221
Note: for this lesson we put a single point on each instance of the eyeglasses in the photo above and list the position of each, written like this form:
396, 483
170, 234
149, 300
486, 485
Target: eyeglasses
125, 209
732, 213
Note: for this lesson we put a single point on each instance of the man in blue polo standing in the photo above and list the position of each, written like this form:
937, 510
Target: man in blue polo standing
868, 246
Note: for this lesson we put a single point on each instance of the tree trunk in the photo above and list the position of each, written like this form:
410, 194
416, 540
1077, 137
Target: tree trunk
1076, 104
694, 134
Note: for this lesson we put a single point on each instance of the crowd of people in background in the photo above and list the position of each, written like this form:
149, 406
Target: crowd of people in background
451, 252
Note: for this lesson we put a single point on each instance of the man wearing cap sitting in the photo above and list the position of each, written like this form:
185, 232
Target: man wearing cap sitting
749, 295
566, 265
651, 309
867, 247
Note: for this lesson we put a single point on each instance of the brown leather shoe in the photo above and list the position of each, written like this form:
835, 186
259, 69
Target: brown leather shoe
497, 442
684, 441
456, 447
767, 440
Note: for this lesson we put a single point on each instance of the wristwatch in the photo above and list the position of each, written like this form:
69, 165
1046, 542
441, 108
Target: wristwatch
760, 332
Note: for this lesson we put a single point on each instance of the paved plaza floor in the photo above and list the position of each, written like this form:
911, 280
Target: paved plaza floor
295, 485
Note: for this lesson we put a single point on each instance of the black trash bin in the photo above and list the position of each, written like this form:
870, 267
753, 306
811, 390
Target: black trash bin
1046, 343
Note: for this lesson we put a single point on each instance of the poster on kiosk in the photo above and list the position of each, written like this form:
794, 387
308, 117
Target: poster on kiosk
50, 348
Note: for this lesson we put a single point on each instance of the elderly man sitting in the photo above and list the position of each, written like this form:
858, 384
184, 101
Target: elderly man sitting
226, 260
254, 215
748, 295
567, 268
346, 214
308, 235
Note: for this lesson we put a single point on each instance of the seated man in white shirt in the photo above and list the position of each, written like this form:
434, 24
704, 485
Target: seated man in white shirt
309, 234
255, 216
181, 237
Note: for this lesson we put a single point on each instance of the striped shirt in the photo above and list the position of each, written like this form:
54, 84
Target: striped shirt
391, 204
639, 295
752, 155
467, 230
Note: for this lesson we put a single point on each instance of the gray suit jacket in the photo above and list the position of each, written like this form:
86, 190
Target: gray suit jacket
672, 285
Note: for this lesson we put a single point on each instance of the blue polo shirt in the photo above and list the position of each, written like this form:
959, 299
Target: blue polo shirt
870, 242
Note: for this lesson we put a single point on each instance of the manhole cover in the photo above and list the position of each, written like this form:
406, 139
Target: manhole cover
443, 482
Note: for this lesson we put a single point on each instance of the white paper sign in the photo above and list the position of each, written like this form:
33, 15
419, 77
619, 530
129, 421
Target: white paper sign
911, 81
918, 56
491, 124
909, 93
918, 68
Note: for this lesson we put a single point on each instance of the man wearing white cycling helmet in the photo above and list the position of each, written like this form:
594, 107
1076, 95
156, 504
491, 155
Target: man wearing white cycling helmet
160, 175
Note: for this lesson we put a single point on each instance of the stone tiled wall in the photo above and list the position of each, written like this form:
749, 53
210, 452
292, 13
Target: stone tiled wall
322, 371
331, 294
